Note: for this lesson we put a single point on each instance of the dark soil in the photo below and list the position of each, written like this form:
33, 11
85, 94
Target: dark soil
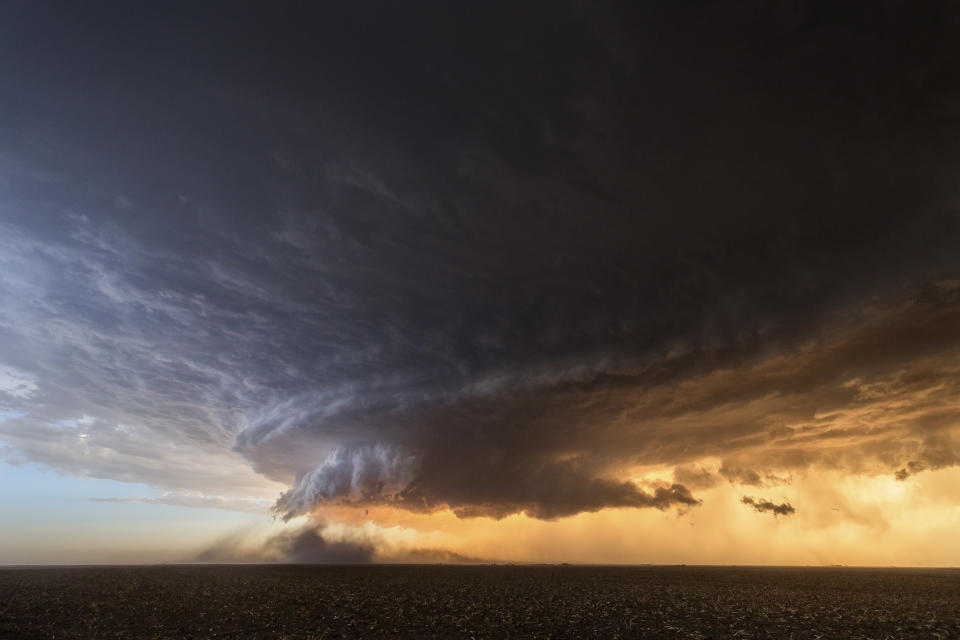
479, 601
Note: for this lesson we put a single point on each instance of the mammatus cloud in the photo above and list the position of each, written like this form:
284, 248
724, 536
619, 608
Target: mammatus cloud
762, 505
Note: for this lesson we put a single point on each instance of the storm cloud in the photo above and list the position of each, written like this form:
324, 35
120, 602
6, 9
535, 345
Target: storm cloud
494, 269
762, 505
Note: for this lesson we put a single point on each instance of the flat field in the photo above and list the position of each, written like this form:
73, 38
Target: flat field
299, 601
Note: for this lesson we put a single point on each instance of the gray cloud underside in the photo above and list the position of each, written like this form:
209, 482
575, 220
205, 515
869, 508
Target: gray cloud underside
499, 293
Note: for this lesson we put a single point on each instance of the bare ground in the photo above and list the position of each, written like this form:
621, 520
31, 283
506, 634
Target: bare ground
289, 601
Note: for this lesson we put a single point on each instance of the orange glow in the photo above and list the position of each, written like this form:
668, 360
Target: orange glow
837, 516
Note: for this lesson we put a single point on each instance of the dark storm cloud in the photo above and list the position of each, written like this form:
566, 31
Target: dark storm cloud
762, 505
488, 259
747, 476
937, 450
436, 478
741, 475
864, 399
695, 477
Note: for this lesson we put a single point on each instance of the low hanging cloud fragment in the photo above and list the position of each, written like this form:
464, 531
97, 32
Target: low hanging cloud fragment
937, 451
763, 505
695, 477
912, 467
750, 477
741, 475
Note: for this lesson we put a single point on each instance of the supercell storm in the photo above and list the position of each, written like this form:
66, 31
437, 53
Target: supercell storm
484, 278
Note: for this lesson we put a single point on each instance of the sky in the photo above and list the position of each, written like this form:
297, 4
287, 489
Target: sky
662, 282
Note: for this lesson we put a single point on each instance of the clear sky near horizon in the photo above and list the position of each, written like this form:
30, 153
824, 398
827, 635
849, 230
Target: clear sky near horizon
552, 282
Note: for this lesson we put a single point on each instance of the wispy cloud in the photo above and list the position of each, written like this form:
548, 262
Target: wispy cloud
249, 505
16, 383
